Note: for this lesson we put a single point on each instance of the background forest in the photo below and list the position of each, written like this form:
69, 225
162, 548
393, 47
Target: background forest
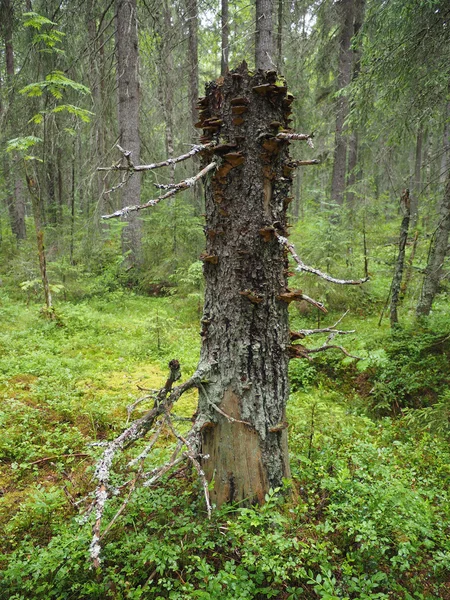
366, 514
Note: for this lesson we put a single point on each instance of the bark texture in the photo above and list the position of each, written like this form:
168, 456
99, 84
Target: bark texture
245, 332
128, 115
264, 35
192, 14
398, 275
346, 9
437, 256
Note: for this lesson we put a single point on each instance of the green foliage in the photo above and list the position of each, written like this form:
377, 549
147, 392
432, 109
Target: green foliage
55, 84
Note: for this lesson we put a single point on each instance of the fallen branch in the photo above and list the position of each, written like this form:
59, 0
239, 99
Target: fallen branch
196, 148
302, 267
165, 399
182, 185
332, 329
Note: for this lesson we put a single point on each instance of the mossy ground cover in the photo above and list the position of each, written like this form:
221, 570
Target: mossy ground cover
366, 514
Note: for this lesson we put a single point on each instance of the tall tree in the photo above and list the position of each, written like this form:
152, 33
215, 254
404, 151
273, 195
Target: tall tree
128, 115
225, 37
15, 192
346, 12
438, 252
264, 35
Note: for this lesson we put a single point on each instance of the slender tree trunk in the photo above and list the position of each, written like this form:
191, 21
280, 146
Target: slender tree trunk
264, 35
346, 19
165, 87
408, 274
245, 334
225, 38
445, 162
438, 252
15, 199
128, 115
417, 187
398, 275
192, 14
280, 36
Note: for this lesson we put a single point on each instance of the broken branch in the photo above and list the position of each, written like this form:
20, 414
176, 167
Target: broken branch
308, 137
196, 148
183, 185
302, 267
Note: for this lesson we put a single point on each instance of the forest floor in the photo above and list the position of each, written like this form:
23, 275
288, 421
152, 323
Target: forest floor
366, 514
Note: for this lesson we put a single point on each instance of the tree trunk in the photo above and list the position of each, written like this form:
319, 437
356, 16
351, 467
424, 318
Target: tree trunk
445, 162
403, 238
264, 35
192, 15
438, 252
346, 19
225, 38
353, 172
128, 116
280, 37
417, 187
15, 199
245, 331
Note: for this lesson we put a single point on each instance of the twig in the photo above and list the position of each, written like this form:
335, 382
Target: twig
41, 460
332, 329
302, 267
315, 303
196, 148
183, 185
131, 407
304, 163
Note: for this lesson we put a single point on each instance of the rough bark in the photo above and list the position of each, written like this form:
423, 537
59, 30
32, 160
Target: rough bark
438, 252
445, 162
346, 19
245, 333
225, 38
399, 266
128, 115
264, 35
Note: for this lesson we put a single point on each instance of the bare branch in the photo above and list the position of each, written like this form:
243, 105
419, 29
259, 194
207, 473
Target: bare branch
332, 329
304, 163
297, 136
220, 411
315, 303
183, 185
196, 148
302, 267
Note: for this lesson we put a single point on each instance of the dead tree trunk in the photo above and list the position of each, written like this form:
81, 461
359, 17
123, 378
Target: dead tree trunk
128, 111
398, 275
245, 321
438, 252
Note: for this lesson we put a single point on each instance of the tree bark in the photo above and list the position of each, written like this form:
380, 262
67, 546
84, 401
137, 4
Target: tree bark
192, 15
417, 187
398, 275
128, 116
264, 35
245, 332
225, 38
346, 18
438, 252
280, 36
15, 196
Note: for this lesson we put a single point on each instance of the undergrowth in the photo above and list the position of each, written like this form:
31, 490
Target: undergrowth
365, 516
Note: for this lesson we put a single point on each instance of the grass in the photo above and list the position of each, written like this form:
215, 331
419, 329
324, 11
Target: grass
367, 515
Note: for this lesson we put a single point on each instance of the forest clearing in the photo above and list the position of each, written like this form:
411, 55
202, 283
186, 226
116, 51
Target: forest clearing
224, 314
